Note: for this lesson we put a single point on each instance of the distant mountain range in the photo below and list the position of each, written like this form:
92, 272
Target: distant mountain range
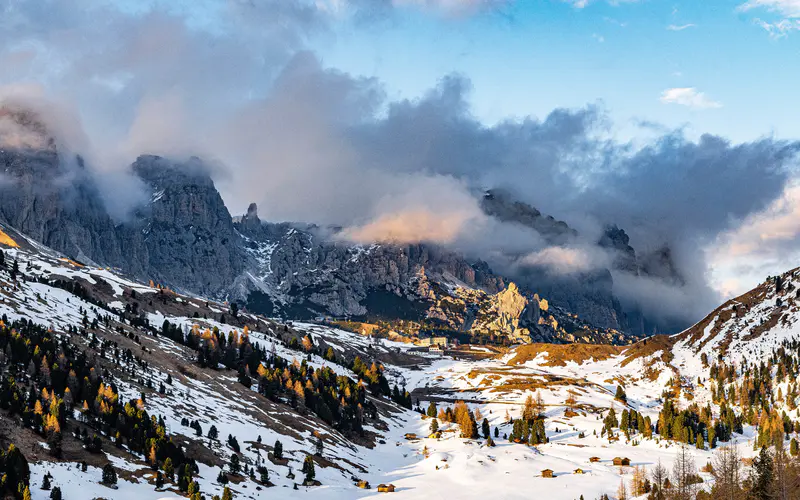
184, 237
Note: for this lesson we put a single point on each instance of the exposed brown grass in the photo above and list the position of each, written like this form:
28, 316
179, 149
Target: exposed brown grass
560, 354
650, 346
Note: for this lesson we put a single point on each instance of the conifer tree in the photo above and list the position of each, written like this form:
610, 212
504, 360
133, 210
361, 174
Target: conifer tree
227, 494
308, 469
762, 475
234, 464
432, 410
109, 475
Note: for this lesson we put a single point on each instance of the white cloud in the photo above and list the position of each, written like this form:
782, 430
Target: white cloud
786, 8
689, 97
764, 243
680, 27
599, 38
561, 260
779, 29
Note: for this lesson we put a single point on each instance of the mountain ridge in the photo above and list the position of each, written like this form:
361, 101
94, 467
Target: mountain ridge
184, 237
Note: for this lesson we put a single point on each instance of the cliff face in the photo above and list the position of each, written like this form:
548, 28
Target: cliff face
50, 196
184, 236
336, 278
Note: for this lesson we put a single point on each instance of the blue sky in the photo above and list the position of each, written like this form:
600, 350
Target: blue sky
530, 57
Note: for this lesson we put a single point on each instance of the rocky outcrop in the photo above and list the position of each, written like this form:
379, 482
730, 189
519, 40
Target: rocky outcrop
499, 204
296, 266
510, 312
617, 241
184, 237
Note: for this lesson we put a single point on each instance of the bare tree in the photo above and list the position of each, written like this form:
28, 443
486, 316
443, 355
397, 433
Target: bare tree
660, 477
539, 407
786, 483
622, 493
684, 472
727, 472
638, 482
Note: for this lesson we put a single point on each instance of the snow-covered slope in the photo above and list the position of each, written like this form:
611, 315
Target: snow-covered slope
576, 382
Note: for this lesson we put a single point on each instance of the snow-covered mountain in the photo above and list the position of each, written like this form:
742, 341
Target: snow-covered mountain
148, 351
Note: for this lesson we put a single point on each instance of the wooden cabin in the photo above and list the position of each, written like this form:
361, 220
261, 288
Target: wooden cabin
594, 459
580, 471
411, 436
547, 473
622, 461
386, 488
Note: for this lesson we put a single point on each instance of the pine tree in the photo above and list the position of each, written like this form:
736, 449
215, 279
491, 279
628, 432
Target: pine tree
263, 474
487, 432
762, 474
622, 492
308, 469
278, 450
227, 494
434, 426
234, 464
109, 475
660, 478
432, 410
726, 469
684, 472
319, 446
56, 494
169, 469
46, 482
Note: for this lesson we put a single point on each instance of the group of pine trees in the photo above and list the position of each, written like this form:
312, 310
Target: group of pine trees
336, 399
16, 474
530, 428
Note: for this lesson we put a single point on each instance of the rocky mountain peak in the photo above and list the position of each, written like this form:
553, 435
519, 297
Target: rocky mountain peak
252, 211
500, 205
161, 172
618, 241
